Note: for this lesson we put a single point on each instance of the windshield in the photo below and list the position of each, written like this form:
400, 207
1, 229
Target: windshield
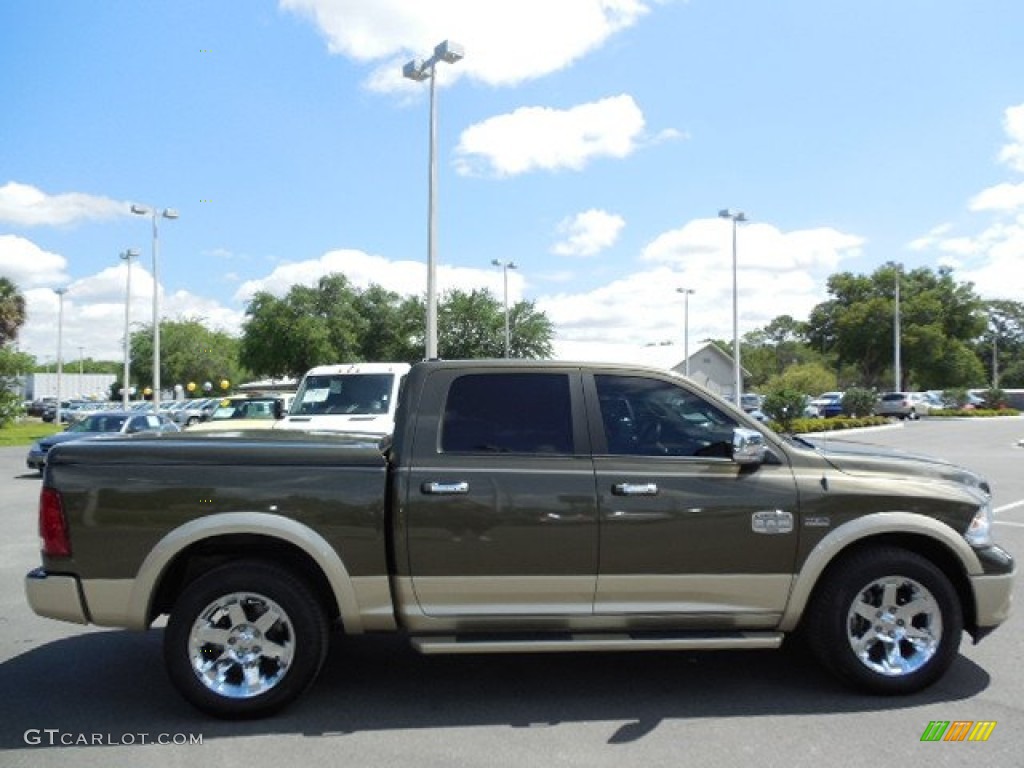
244, 409
344, 393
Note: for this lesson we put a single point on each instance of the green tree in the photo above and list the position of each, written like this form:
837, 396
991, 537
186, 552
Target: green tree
471, 325
13, 365
189, 352
12, 311
784, 406
331, 322
806, 378
1001, 347
940, 320
335, 322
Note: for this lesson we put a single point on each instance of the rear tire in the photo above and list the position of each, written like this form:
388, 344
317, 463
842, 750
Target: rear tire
244, 640
886, 621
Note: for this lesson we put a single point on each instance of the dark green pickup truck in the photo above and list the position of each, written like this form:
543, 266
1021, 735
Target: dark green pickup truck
519, 507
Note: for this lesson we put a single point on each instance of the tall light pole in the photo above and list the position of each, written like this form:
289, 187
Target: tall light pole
505, 267
897, 333
419, 71
736, 217
167, 213
60, 348
687, 292
127, 255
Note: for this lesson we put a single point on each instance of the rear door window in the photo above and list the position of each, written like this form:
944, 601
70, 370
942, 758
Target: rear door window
508, 413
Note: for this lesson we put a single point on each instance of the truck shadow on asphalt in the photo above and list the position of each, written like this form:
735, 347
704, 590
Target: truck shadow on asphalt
113, 682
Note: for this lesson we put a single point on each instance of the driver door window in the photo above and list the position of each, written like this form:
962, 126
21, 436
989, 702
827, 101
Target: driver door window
649, 417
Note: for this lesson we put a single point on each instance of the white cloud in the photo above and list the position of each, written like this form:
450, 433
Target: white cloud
541, 138
1001, 197
759, 246
506, 43
1013, 123
25, 205
406, 278
94, 314
28, 265
991, 258
779, 273
588, 233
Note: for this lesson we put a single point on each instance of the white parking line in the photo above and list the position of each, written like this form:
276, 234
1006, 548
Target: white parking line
1008, 507
1012, 525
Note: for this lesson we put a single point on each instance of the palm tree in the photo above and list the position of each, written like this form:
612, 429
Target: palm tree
12, 311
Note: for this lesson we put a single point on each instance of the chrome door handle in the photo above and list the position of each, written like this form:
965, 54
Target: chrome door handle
445, 489
635, 489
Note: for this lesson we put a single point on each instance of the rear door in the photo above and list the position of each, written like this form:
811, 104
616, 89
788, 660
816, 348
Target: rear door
685, 531
500, 516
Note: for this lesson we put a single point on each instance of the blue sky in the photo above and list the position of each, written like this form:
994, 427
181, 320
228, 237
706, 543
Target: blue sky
590, 141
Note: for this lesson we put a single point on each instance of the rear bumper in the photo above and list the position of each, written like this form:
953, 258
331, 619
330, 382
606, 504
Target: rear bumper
55, 596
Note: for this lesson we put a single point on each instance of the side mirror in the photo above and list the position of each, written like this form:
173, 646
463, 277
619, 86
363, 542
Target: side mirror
747, 446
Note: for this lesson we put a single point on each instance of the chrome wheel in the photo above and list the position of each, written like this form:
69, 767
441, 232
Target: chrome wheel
894, 626
241, 645
886, 620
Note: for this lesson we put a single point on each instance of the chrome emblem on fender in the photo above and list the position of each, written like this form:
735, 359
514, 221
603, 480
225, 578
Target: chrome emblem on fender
772, 521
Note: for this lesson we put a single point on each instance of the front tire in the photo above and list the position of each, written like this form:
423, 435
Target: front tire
245, 640
886, 621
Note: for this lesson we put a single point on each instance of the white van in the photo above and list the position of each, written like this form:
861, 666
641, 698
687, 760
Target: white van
358, 397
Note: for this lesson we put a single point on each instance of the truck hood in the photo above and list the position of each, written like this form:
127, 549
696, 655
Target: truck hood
864, 460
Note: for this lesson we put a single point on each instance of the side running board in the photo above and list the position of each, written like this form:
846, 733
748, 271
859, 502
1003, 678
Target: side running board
553, 643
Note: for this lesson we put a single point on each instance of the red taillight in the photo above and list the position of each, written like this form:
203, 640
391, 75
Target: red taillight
53, 526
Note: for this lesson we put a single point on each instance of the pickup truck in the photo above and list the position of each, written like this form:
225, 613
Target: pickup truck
356, 397
518, 506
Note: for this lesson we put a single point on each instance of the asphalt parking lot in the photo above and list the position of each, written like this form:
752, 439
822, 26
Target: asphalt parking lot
81, 696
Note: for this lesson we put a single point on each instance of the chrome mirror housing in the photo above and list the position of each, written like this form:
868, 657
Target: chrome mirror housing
747, 446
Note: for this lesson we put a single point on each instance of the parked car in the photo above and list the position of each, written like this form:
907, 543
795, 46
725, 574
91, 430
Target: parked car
903, 405
244, 412
195, 411
829, 404
100, 423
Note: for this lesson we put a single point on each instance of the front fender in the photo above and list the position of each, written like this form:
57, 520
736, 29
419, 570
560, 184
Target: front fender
879, 523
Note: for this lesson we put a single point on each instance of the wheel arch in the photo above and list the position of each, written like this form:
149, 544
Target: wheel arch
927, 537
194, 548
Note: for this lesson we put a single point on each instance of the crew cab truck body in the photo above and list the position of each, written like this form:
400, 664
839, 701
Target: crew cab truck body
520, 506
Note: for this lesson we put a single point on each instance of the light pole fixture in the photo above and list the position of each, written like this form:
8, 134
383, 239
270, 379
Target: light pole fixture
687, 292
505, 267
60, 349
127, 255
737, 366
419, 71
167, 213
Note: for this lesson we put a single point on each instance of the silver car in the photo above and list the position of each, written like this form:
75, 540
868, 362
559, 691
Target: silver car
903, 405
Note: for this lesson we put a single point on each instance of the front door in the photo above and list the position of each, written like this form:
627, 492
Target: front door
685, 531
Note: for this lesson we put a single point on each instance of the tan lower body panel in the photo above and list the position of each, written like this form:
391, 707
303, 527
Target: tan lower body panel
706, 601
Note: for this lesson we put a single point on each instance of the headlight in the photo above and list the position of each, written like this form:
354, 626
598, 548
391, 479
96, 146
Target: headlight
979, 532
